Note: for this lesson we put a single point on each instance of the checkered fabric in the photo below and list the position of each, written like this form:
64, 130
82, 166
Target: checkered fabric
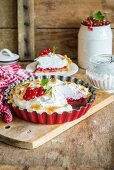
9, 74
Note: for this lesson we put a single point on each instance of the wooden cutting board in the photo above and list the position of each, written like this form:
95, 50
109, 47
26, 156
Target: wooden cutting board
27, 135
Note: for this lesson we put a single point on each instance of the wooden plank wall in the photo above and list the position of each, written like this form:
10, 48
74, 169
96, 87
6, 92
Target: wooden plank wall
8, 24
56, 23
26, 29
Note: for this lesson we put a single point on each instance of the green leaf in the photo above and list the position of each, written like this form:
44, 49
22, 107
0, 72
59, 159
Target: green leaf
48, 88
99, 16
44, 82
53, 49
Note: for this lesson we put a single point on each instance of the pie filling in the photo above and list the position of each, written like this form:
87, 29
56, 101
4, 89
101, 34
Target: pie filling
39, 69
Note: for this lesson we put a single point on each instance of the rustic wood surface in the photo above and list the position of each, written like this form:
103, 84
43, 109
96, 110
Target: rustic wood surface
11, 167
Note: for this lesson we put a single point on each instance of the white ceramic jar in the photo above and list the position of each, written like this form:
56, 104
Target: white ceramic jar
92, 43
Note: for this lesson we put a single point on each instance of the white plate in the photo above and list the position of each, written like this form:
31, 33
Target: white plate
72, 70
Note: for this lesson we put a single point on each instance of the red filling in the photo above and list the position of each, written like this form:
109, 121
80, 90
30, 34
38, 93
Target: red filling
79, 102
51, 69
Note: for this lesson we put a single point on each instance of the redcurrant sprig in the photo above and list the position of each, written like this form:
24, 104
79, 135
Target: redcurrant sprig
32, 93
48, 50
44, 52
97, 19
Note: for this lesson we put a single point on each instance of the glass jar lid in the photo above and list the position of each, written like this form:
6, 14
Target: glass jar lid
103, 60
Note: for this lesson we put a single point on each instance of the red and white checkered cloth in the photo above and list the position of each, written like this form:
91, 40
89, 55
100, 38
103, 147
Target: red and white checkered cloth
8, 75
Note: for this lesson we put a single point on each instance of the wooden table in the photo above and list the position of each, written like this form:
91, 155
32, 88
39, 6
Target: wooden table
87, 145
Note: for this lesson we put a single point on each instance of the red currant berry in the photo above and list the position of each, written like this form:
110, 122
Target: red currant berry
35, 92
94, 24
26, 97
87, 23
100, 24
41, 53
107, 22
29, 94
28, 89
90, 28
48, 49
103, 22
40, 91
44, 52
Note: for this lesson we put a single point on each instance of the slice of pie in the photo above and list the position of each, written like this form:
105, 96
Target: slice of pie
49, 61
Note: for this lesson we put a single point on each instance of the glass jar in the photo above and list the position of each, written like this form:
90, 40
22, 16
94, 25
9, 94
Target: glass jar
101, 72
93, 42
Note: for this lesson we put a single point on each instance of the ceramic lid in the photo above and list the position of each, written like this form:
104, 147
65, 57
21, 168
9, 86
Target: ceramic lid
7, 56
